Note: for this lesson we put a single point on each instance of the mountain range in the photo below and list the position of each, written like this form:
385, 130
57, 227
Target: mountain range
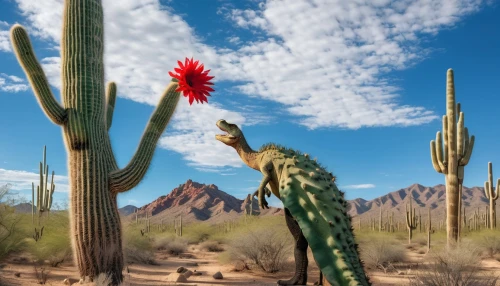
201, 202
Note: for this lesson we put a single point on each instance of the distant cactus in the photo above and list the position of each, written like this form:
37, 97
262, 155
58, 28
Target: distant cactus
41, 201
411, 221
380, 218
452, 159
492, 195
429, 228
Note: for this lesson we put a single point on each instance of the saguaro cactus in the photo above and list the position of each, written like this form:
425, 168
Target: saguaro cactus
429, 229
491, 195
411, 221
44, 193
452, 159
86, 115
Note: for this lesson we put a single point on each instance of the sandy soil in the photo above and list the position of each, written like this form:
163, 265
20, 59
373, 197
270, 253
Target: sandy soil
207, 264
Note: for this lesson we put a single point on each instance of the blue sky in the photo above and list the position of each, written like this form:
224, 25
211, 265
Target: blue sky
358, 84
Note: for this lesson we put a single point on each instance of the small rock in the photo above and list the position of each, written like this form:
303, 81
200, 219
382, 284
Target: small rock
176, 277
17, 274
191, 264
218, 275
240, 266
181, 269
70, 281
187, 273
196, 273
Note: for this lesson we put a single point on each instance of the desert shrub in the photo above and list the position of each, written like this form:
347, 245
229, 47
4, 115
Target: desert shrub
420, 240
54, 245
211, 246
176, 247
137, 248
457, 266
10, 236
171, 244
489, 243
198, 232
265, 248
58, 258
134, 254
382, 253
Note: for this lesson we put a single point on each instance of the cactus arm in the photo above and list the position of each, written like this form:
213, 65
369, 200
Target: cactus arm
434, 157
110, 105
487, 189
125, 179
445, 136
460, 132
439, 151
36, 76
468, 152
467, 141
495, 196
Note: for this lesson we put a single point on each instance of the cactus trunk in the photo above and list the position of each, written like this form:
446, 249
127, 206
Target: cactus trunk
85, 116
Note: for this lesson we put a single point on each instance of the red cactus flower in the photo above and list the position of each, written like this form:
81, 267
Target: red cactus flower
193, 81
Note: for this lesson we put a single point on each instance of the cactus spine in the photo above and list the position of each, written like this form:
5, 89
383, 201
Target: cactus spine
452, 159
492, 196
43, 192
85, 116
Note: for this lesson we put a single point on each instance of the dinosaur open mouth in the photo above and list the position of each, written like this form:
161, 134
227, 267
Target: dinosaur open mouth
226, 134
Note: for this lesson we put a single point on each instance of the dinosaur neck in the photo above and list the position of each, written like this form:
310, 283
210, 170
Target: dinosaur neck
248, 155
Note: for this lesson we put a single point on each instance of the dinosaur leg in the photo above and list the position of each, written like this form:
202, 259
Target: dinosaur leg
300, 253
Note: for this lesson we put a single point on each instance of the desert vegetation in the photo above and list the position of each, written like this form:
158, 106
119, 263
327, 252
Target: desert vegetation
254, 248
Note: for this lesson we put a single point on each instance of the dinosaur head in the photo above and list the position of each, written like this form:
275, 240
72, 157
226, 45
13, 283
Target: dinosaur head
233, 133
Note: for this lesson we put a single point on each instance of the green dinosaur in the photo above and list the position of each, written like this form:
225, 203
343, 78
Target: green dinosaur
315, 210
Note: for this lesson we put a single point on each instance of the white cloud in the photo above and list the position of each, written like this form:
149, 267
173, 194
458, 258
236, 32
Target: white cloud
22, 180
360, 186
327, 69
4, 37
11, 83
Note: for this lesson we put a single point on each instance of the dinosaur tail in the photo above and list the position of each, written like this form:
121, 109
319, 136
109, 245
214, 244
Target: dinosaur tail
320, 210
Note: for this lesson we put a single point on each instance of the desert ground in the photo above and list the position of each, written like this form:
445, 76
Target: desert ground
389, 259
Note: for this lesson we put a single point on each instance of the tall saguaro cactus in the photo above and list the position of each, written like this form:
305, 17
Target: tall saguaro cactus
491, 195
85, 116
451, 159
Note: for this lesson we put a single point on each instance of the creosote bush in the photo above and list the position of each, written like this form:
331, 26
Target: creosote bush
382, 253
211, 246
268, 250
457, 266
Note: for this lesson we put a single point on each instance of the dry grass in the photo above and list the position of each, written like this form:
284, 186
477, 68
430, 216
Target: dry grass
173, 246
488, 243
268, 250
211, 246
455, 267
41, 275
382, 253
